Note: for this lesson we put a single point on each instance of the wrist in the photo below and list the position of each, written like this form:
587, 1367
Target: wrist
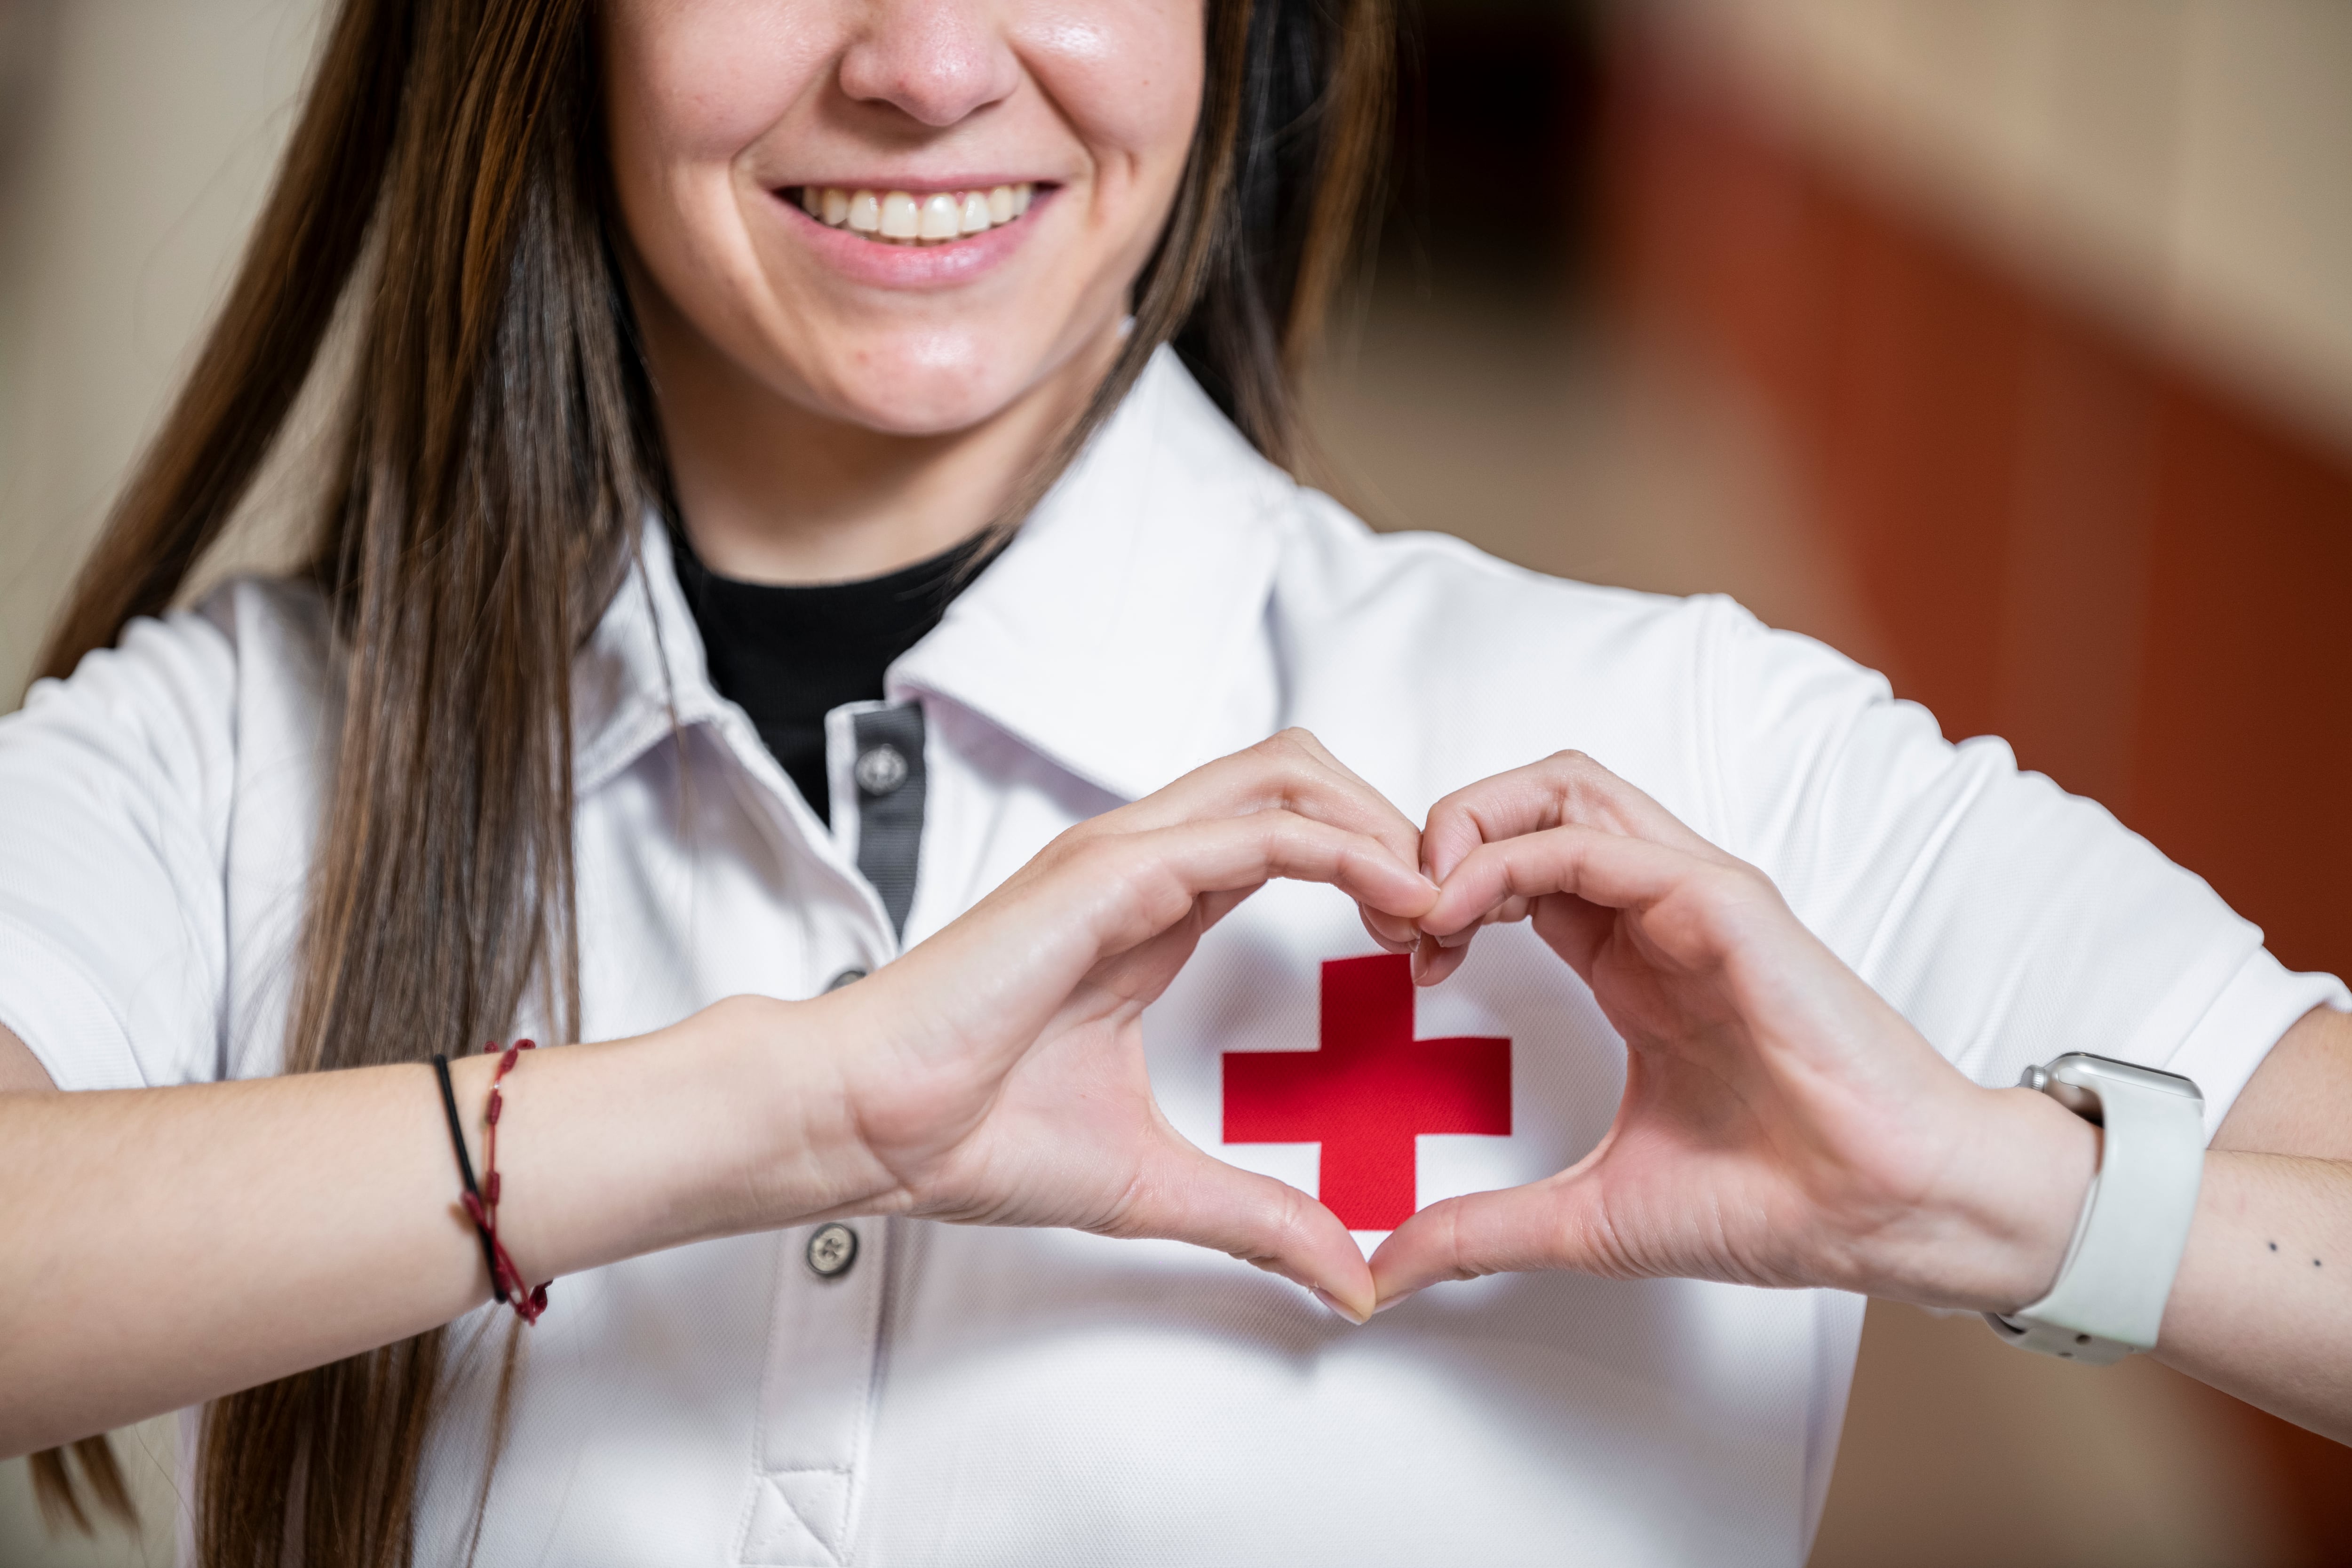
800, 1153
1999, 1224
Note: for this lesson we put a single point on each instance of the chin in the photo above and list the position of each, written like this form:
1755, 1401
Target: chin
919, 390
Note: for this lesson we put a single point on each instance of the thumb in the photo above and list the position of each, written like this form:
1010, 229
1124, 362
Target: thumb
1186, 1194
1556, 1222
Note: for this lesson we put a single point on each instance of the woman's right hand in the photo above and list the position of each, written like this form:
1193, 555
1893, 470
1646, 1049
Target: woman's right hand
995, 1073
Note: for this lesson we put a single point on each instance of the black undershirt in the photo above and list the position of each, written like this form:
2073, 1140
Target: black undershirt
789, 655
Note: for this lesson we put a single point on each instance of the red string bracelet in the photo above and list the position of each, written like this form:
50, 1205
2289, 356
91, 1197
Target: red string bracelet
506, 1279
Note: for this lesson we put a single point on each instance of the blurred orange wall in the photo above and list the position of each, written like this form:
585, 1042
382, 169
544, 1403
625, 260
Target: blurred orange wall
2138, 575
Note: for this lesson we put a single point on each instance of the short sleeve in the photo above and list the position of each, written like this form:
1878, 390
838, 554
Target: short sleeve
2008, 920
115, 796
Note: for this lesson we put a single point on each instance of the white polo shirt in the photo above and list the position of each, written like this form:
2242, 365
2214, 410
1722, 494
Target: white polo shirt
970, 1396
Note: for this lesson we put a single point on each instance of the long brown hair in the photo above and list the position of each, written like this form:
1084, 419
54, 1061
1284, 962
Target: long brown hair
446, 186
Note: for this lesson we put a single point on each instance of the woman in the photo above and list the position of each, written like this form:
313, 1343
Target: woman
684, 332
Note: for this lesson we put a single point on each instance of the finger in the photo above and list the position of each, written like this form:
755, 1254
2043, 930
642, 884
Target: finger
1547, 1225
1567, 788
1434, 958
1388, 824
1088, 898
1289, 772
1390, 932
1602, 868
1186, 1194
1575, 928
1432, 962
1141, 884
1382, 929
1510, 911
1294, 771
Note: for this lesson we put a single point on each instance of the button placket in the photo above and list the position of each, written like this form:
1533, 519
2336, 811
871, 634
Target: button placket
892, 787
817, 1391
816, 1396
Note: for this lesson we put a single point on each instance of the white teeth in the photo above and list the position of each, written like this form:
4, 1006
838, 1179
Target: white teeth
942, 217
908, 219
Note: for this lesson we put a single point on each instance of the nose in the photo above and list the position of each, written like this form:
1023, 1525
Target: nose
936, 60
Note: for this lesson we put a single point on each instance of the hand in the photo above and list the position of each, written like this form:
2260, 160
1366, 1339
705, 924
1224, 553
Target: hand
999, 1072
1781, 1124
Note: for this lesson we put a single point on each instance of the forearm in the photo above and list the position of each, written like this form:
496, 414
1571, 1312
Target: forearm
169, 1246
2262, 1305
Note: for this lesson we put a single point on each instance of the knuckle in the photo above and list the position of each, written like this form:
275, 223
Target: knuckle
1284, 745
1737, 886
1462, 1258
1578, 783
1297, 764
1096, 856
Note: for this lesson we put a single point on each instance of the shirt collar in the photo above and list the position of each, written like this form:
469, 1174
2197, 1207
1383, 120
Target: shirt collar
642, 675
1121, 634
1116, 631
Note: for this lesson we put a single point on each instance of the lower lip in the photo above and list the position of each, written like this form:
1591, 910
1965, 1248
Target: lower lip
885, 265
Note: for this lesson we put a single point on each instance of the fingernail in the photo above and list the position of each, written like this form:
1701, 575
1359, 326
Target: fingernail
1332, 1306
1393, 1301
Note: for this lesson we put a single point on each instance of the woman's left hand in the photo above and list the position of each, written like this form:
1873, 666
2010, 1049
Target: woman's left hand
1781, 1124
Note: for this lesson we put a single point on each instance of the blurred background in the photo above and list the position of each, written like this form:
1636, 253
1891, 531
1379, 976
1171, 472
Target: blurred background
2005, 344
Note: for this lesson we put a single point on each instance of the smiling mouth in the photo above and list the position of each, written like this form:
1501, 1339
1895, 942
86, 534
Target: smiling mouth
898, 217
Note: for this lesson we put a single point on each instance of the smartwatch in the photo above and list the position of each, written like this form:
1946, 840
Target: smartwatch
2109, 1297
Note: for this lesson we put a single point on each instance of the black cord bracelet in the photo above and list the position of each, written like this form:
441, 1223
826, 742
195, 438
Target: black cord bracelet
465, 1170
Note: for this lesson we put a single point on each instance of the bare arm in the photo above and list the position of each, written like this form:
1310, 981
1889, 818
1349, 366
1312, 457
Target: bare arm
167, 1245
21, 1071
2262, 1305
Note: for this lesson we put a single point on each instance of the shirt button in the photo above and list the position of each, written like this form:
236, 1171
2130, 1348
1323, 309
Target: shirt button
832, 1248
847, 977
881, 770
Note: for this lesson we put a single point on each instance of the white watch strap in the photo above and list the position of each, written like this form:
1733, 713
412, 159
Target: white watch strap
2110, 1295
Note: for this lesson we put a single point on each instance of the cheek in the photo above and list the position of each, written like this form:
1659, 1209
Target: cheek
689, 87
1128, 74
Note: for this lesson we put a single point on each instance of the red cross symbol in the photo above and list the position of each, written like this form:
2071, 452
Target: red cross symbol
1370, 1091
